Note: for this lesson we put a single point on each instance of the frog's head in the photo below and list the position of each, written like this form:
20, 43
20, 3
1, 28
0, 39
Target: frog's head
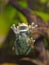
22, 27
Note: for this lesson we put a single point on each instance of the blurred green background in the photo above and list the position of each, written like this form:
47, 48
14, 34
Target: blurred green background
10, 15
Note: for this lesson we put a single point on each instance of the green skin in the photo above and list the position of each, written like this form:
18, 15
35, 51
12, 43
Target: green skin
21, 44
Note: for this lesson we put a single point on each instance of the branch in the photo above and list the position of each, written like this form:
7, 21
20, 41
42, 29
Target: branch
25, 12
